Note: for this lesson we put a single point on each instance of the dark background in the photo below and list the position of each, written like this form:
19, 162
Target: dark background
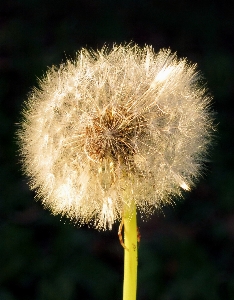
187, 253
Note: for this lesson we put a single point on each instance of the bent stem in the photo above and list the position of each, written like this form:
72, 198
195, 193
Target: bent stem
130, 253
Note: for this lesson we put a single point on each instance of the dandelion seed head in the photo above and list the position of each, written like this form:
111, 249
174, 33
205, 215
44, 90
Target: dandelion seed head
114, 127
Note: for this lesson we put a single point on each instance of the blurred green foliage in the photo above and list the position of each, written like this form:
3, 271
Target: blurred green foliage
188, 254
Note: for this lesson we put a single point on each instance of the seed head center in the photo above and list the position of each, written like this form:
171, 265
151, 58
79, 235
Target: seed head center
112, 135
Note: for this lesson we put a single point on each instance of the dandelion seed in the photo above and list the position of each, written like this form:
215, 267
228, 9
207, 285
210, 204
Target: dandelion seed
124, 120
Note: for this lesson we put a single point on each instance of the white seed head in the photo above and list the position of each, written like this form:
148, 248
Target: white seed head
113, 127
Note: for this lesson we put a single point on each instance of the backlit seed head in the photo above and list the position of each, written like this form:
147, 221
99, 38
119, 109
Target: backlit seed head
113, 127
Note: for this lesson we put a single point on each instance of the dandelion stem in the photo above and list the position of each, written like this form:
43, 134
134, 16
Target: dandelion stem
130, 254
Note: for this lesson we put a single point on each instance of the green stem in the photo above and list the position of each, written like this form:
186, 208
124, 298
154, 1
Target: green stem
130, 254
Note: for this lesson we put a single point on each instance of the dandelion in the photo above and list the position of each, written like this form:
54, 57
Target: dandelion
115, 130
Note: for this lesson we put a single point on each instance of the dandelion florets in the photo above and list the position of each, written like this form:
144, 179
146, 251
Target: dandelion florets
115, 127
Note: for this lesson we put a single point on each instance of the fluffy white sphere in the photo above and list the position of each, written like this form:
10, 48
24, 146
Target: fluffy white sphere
114, 127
